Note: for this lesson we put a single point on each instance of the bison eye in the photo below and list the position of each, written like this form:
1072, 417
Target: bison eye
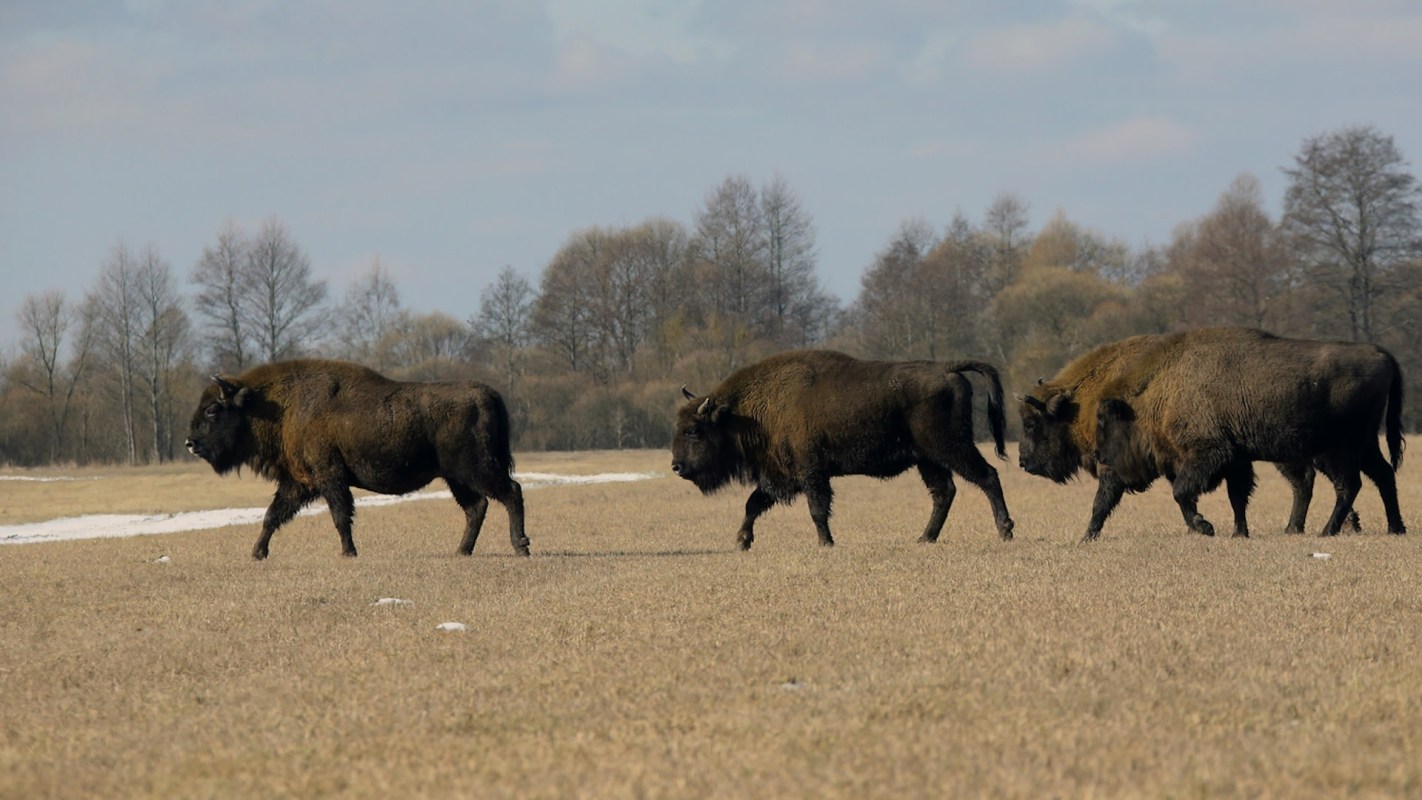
210, 412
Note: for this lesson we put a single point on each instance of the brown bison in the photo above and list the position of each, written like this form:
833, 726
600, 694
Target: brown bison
320, 428
1199, 406
788, 424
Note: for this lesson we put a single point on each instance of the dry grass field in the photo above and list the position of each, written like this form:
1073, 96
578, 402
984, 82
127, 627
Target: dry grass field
637, 654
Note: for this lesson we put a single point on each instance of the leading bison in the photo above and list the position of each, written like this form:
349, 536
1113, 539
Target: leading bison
1199, 406
319, 428
788, 424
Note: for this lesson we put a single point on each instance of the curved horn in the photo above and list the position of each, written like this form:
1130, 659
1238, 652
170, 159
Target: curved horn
705, 405
685, 392
1035, 403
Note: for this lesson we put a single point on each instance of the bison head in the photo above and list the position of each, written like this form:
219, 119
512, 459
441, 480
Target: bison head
703, 449
1048, 448
1117, 445
219, 429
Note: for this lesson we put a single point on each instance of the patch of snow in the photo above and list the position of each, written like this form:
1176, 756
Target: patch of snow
451, 626
1323, 556
98, 526
392, 601
43, 478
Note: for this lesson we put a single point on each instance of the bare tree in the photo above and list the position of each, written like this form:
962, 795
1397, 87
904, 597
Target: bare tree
789, 255
1005, 226
164, 332
888, 308
730, 231
1234, 262
116, 302
504, 321
223, 297
46, 322
371, 306
1353, 209
282, 314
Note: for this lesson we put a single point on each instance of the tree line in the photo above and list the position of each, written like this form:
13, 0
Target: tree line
593, 353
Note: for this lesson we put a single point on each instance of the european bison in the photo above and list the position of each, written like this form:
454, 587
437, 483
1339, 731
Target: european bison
1119, 448
320, 428
1203, 404
788, 424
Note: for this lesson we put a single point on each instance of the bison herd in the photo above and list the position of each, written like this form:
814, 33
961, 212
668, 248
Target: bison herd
1197, 408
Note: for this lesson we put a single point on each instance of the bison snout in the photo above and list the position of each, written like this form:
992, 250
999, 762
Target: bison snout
676, 467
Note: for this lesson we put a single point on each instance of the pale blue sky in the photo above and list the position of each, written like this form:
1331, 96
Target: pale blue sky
453, 138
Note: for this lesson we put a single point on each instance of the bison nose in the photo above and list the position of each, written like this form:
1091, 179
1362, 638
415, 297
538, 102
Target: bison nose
676, 467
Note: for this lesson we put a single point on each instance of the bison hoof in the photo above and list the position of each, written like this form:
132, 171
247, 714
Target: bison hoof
926, 539
1090, 537
1241, 534
1005, 532
521, 550
259, 555
743, 541
349, 553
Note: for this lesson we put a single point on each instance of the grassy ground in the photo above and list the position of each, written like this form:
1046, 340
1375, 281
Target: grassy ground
637, 654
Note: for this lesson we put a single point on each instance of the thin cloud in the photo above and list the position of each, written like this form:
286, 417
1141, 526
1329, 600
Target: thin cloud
1034, 48
1134, 139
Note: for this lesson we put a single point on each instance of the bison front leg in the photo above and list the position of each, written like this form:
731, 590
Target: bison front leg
758, 503
290, 498
1109, 490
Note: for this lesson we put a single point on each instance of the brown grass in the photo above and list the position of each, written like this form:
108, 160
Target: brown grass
636, 654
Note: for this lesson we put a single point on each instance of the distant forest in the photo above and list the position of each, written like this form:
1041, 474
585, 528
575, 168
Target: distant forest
593, 355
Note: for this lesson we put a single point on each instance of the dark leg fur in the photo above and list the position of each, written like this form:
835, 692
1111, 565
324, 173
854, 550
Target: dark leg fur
940, 487
1239, 483
290, 498
820, 497
758, 503
1109, 489
342, 505
475, 506
1380, 472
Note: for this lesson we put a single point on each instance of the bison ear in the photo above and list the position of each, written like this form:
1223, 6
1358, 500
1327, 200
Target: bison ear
1059, 406
685, 392
1041, 380
710, 410
230, 393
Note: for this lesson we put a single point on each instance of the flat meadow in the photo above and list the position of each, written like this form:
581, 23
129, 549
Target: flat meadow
638, 654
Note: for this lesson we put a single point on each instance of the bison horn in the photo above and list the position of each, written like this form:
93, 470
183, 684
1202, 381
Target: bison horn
223, 386
1035, 403
685, 392
1041, 380
704, 407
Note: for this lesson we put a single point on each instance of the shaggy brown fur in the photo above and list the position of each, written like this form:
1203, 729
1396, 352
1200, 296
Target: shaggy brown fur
788, 424
320, 428
1198, 407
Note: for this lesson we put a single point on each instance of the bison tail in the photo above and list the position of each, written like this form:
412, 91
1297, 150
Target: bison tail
1395, 443
997, 419
503, 434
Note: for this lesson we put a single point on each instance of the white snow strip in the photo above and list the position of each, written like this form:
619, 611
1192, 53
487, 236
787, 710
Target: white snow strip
98, 526
43, 478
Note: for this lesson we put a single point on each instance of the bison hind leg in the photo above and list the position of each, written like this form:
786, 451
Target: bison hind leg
941, 488
476, 507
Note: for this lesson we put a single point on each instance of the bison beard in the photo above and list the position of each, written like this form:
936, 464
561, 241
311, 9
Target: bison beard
790, 423
320, 428
1199, 407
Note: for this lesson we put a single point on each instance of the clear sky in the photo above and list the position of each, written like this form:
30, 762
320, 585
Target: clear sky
453, 138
